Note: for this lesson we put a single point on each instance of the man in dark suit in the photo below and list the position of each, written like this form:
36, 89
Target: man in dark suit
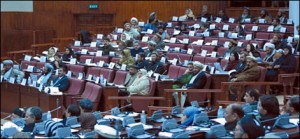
197, 81
62, 81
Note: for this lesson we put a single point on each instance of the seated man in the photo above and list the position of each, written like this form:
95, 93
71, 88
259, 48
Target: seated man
62, 81
182, 80
8, 71
151, 48
233, 113
197, 80
141, 84
33, 115
141, 62
154, 64
268, 108
45, 78
292, 107
248, 127
130, 77
136, 48
86, 119
130, 32
106, 46
251, 98
250, 73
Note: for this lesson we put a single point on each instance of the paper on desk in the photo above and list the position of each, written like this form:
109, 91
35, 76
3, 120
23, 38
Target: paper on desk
165, 134
134, 114
146, 127
57, 119
222, 121
113, 117
294, 121
120, 86
204, 129
192, 128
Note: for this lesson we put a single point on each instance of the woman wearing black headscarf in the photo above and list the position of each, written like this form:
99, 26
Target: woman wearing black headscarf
233, 61
68, 54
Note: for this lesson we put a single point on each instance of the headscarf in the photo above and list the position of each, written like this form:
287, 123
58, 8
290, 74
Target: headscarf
190, 113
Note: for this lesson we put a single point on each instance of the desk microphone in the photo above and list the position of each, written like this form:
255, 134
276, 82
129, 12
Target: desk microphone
155, 69
179, 59
164, 72
119, 108
55, 109
7, 117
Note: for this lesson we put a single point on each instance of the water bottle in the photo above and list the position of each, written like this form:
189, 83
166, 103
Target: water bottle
48, 115
101, 78
29, 81
143, 117
220, 112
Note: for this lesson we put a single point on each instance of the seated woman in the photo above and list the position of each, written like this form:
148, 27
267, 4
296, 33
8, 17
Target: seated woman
268, 108
69, 53
250, 49
126, 58
233, 61
189, 16
188, 116
51, 53
140, 85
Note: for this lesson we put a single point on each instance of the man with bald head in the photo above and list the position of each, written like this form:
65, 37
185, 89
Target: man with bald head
8, 71
233, 113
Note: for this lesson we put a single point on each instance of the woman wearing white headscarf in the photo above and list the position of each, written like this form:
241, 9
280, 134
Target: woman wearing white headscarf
188, 15
140, 85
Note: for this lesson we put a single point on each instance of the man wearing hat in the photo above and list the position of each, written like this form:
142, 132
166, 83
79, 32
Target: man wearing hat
151, 48
270, 49
45, 78
154, 64
250, 73
130, 32
232, 48
107, 47
248, 127
134, 24
8, 71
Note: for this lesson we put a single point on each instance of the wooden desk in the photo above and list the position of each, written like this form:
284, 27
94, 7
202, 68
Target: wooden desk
169, 92
13, 54
160, 88
107, 92
29, 96
10, 96
49, 102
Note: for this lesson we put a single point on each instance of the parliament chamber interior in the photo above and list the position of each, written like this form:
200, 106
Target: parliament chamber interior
150, 69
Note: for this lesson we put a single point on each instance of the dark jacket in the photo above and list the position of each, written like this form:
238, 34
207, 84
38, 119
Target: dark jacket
266, 120
28, 127
106, 49
230, 125
199, 82
142, 64
231, 65
134, 52
62, 84
156, 67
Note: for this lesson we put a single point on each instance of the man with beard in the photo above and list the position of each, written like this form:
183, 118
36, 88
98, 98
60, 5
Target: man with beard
292, 107
62, 81
107, 47
130, 32
141, 61
8, 71
154, 64
45, 78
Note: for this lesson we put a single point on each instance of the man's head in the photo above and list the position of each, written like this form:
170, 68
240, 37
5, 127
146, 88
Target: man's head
33, 115
127, 26
269, 48
47, 68
86, 105
243, 57
251, 95
248, 127
190, 67
246, 10
197, 67
232, 43
141, 57
292, 106
157, 37
251, 61
7, 64
72, 110
106, 41
134, 21
268, 104
154, 57
62, 71
221, 13
133, 69
287, 50
17, 113
233, 112
151, 45
136, 44
276, 21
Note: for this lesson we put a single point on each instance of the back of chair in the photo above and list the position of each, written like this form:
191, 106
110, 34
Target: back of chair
76, 68
95, 96
76, 88
120, 77
83, 58
173, 71
88, 89
181, 71
108, 74
25, 64
101, 58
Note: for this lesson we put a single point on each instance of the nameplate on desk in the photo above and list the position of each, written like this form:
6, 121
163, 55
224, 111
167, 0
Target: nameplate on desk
84, 51
43, 59
69, 74
145, 38
101, 63
203, 19
173, 40
111, 65
225, 27
1, 78
149, 31
73, 61
221, 34
212, 26
203, 53
163, 60
12, 80
119, 30
120, 86
77, 43
30, 68
192, 33
141, 24
97, 80
150, 73
218, 20
214, 42
254, 28
174, 61
23, 82
167, 48
156, 75
270, 28
99, 36
93, 44
248, 37
234, 35
123, 67
27, 57
88, 61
